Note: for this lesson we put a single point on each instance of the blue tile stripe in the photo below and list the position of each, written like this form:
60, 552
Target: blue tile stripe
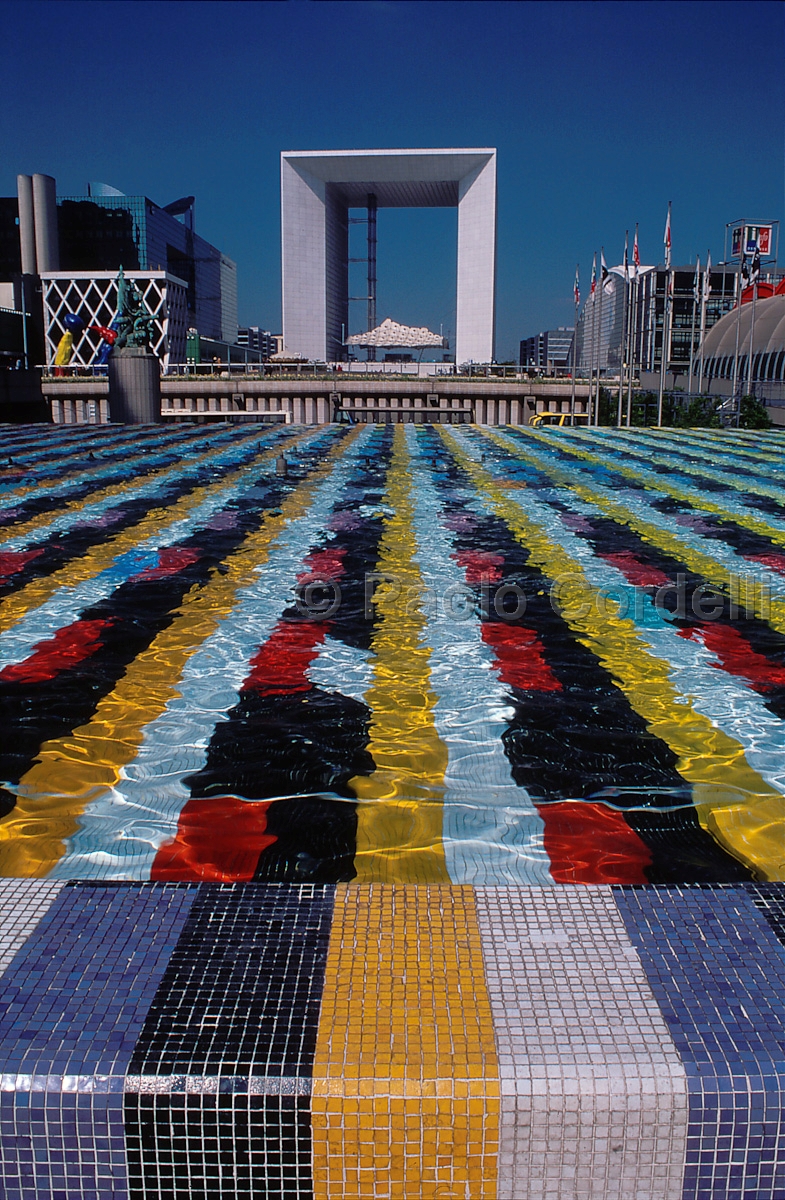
72, 1005
718, 973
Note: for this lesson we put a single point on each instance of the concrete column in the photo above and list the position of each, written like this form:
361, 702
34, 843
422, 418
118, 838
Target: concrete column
24, 192
490, 411
310, 411
515, 412
47, 244
322, 415
134, 386
479, 410
502, 406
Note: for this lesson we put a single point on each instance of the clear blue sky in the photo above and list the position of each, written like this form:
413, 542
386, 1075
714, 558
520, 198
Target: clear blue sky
601, 113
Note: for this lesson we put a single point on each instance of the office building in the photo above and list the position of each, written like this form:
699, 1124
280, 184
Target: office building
548, 351
267, 344
631, 313
76, 237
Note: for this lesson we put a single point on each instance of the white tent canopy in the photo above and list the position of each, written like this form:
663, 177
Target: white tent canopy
390, 333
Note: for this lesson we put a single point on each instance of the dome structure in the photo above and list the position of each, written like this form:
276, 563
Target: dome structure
768, 362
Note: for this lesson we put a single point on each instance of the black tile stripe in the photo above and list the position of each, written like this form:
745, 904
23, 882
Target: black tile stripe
239, 1000
201, 1147
241, 993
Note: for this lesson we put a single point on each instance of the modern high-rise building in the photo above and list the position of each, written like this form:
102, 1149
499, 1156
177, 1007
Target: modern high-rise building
104, 230
548, 351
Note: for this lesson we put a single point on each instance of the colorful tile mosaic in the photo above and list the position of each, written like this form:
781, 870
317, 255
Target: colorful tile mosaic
421, 654
390, 743
718, 974
593, 1093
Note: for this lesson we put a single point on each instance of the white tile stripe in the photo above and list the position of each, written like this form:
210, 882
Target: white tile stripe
121, 830
23, 902
492, 831
593, 1092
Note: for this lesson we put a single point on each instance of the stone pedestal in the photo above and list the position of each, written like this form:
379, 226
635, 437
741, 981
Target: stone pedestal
134, 386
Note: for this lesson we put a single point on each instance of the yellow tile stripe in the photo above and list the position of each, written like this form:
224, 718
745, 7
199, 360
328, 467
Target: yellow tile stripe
733, 802
399, 818
746, 520
94, 561
744, 591
405, 1101
71, 770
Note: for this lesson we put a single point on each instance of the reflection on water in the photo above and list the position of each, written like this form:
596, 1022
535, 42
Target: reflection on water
424, 654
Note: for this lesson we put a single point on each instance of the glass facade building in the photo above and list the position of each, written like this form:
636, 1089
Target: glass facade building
105, 232
634, 313
101, 233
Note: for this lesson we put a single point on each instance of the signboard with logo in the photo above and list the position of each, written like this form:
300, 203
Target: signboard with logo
746, 239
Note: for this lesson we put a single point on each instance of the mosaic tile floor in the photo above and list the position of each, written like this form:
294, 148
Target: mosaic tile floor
297, 766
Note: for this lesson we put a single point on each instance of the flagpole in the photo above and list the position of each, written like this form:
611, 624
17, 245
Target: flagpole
599, 335
630, 348
751, 352
735, 378
577, 297
636, 265
593, 338
665, 314
705, 292
623, 344
692, 330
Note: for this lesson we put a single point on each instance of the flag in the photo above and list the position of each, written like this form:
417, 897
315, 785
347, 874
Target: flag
744, 273
577, 288
593, 277
626, 252
707, 279
667, 239
696, 290
604, 274
636, 258
755, 268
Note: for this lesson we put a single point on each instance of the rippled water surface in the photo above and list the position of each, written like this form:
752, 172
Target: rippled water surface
423, 654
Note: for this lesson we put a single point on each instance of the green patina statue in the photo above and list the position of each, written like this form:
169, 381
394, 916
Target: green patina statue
134, 321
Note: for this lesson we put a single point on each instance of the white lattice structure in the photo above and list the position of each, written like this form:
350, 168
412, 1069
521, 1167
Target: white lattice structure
93, 295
